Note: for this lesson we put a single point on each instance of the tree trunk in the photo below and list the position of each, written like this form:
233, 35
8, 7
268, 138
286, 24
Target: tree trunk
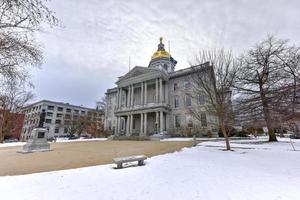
266, 110
225, 135
1, 138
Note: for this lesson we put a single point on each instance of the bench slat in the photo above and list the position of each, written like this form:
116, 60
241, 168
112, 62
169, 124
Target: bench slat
119, 161
129, 159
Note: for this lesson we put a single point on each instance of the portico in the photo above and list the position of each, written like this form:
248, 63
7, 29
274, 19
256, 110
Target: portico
142, 108
142, 123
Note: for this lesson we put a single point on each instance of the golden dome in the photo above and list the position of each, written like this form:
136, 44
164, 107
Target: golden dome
161, 52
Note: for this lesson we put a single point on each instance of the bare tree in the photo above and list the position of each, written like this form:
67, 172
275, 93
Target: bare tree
96, 129
264, 79
101, 105
19, 20
77, 125
13, 96
214, 80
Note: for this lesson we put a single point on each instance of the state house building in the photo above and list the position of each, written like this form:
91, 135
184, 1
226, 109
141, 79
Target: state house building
152, 101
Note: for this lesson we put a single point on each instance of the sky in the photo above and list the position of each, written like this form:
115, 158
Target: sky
86, 54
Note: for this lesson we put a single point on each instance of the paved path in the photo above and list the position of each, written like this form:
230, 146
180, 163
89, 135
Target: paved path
79, 154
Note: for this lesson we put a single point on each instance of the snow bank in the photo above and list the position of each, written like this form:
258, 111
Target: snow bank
12, 144
80, 139
194, 173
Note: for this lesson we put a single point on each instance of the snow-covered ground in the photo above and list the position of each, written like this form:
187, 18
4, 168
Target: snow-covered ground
12, 144
251, 171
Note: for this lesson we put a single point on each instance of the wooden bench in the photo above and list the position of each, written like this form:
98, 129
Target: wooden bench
120, 161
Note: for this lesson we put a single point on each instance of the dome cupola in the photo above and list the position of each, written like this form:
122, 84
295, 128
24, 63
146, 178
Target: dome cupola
162, 59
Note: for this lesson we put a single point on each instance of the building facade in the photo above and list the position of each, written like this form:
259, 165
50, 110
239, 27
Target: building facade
153, 100
11, 124
59, 117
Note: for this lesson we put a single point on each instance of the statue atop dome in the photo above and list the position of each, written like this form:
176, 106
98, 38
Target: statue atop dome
161, 46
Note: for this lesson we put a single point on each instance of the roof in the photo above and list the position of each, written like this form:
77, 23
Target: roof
62, 104
189, 70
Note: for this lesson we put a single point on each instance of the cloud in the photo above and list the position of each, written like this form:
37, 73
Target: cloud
85, 58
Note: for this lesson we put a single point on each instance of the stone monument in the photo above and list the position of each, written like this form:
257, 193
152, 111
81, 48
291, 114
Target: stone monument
38, 138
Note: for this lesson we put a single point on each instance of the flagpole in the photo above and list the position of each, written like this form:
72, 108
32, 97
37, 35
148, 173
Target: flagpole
169, 54
129, 63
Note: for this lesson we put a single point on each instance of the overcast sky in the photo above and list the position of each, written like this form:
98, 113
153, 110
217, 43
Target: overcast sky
84, 58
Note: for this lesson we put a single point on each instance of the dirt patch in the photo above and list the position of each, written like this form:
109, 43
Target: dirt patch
79, 154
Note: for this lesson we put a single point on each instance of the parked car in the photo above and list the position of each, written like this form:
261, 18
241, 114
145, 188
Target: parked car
73, 137
295, 136
10, 140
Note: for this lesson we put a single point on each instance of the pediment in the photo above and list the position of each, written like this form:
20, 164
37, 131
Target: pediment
136, 71
138, 74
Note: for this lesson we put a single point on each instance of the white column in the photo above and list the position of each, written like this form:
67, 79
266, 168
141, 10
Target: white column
160, 90
145, 99
131, 121
132, 91
156, 90
127, 125
145, 124
142, 93
142, 122
161, 124
157, 121
117, 127
119, 99
128, 97
118, 96
166, 94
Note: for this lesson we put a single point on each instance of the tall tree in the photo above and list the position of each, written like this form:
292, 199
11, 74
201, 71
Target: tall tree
13, 96
214, 80
19, 20
262, 80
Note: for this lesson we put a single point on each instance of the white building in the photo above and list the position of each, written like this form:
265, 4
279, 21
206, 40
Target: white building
151, 100
58, 117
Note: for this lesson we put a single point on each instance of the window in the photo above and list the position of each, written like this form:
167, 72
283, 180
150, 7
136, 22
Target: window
201, 99
49, 121
186, 84
68, 110
76, 111
203, 119
188, 101
58, 115
189, 122
123, 99
60, 109
176, 101
175, 86
177, 121
65, 130
56, 130
49, 114
67, 116
122, 124
50, 107
109, 125
165, 66
58, 121
82, 112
